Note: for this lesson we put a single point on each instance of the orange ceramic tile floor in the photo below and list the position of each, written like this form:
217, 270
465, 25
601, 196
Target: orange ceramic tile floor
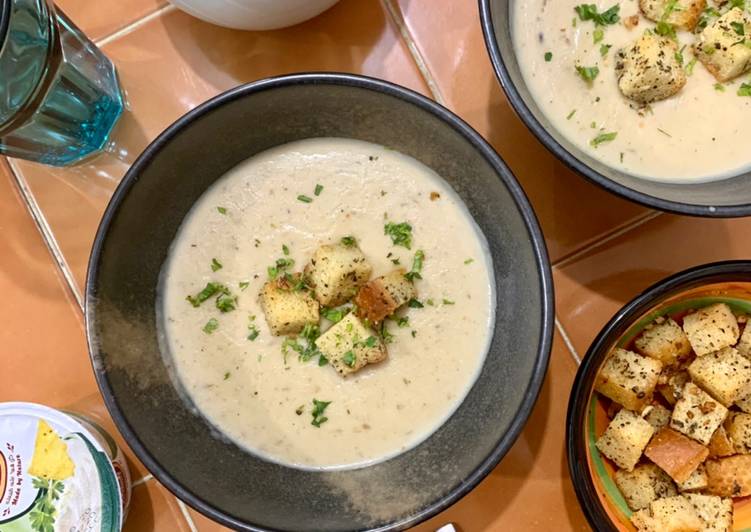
604, 249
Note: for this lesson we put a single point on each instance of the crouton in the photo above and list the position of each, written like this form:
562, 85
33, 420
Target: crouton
670, 514
715, 512
672, 389
738, 428
676, 454
744, 401
658, 416
697, 415
382, 296
628, 379
643, 485
711, 328
684, 15
697, 481
665, 342
724, 375
729, 477
287, 309
337, 272
648, 71
349, 345
644, 522
744, 344
625, 439
720, 47
720, 445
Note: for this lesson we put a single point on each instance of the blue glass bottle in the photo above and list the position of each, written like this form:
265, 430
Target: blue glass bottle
59, 94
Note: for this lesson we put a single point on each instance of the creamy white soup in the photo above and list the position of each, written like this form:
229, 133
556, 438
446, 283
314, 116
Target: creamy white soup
282, 205
700, 133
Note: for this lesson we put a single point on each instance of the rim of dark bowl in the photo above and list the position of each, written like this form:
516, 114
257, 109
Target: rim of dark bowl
542, 134
4, 21
581, 390
363, 82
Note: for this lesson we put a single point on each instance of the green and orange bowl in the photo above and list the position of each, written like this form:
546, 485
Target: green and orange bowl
592, 474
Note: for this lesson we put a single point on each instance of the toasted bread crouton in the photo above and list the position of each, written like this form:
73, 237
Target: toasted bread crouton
697, 414
666, 342
720, 445
675, 514
643, 485
625, 439
744, 344
684, 15
677, 455
724, 374
337, 272
286, 309
644, 522
697, 481
711, 328
349, 345
648, 71
715, 512
729, 477
744, 401
381, 297
720, 47
673, 388
658, 416
628, 379
738, 428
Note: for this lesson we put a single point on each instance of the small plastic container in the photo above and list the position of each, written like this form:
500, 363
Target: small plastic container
59, 472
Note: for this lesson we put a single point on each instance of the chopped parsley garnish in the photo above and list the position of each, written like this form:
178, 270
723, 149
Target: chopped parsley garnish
414, 303
679, 55
310, 334
738, 3
744, 89
604, 49
665, 29
335, 315
571, 114
304, 198
349, 359
690, 66
588, 74
221, 210
209, 290
385, 334
414, 333
708, 13
226, 302
598, 35
395, 261
319, 407
370, 341
285, 249
280, 266
469, 261
738, 28
447, 302
318, 190
607, 17
401, 234
603, 137
548, 57
430, 302
348, 241
664, 132
322, 361
227, 375
403, 321
253, 331
416, 266
211, 326
719, 87
215, 265
243, 285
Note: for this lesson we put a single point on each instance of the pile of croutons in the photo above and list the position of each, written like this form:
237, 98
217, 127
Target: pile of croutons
680, 432
336, 275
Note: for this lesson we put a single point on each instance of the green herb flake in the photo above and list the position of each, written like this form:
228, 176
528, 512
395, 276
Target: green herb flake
414, 303
679, 55
285, 249
744, 89
386, 336
690, 66
335, 315
664, 132
401, 234
318, 190
548, 57
469, 261
349, 241
603, 137
222, 210
448, 302
211, 326
253, 331
414, 333
598, 35
322, 361
227, 375
209, 290
243, 285
226, 302
738, 28
606, 18
304, 198
319, 407
416, 266
665, 29
719, 87
588, 74
349, 359
571, 114
403, 321
215, 265
430, 302
604, 49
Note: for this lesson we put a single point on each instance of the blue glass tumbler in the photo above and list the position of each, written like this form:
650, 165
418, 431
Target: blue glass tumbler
59, 94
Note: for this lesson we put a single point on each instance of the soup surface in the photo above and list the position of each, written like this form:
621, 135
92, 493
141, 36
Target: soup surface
267, 206
698, 134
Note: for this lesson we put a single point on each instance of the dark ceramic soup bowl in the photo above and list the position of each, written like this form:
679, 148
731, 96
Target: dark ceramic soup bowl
219, 478
723, 198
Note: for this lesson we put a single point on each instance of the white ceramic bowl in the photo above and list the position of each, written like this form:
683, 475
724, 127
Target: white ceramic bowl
254, 14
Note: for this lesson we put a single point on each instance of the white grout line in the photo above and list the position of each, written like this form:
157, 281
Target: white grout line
46, 231
134, 26
602, 241
143, 480
186, 515
567, 341
414, 52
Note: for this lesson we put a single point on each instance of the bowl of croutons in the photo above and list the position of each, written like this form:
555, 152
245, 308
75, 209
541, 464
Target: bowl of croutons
659, 419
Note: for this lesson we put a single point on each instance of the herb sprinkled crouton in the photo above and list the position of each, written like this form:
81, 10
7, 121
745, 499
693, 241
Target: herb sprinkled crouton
738, 428
724, 374
697, 481
625, 439
676, 454
711, 328
628, 379
643, 485
729, 477
697, 414
648, 70
349, 345
715, 512
665, 341
287, 308
381, 297
337, 272
683, 14
721, 47
658, 416
669, 514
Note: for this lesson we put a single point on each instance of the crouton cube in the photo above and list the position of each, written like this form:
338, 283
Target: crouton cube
697, 415
744, 401
644, 522
643, 485
658, 416
676, 514
715, 512
287, 309
684, 14
738, 428
720, 47
697, 481
648, 71
382, 296
337, 272
724, 374
671, 390
729, 477
711, 328
744, 344
720, 445
676, 454
628, 379
349, 345
665, 342
625, 439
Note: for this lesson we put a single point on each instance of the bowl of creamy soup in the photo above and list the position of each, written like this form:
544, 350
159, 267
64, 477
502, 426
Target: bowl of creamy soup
651, 99
319, 301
